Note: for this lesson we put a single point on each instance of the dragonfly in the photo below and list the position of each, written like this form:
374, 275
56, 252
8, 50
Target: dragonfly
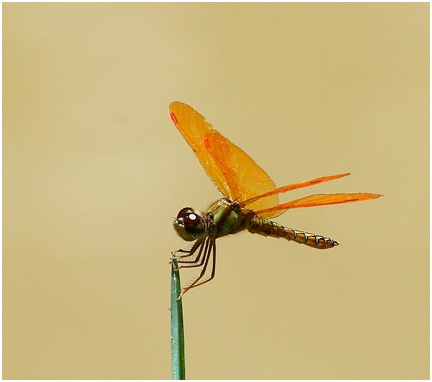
250, 198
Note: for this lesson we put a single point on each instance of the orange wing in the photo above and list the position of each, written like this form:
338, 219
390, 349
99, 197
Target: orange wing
235, 173
317, 200
238, 177
280, 190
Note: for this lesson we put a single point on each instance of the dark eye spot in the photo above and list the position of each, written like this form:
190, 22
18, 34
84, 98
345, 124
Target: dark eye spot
190, 220
185, 212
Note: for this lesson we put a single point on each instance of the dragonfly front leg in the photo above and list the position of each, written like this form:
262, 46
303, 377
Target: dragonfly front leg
209, 251
189, 252
200, 244
196, 262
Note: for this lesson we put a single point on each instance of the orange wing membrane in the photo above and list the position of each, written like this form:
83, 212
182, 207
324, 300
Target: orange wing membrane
194, 128
319, 200
280, 190
245, 177
235, 173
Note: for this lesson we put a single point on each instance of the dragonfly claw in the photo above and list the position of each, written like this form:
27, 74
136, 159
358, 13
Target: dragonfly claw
182, 292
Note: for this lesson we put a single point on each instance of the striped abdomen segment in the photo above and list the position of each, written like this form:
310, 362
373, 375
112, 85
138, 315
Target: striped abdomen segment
268, 227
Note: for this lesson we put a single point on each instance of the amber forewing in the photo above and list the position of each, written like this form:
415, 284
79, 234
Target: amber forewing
235, 174
245, 177
194, 128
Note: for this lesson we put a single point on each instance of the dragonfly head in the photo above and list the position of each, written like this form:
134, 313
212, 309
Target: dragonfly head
190, 224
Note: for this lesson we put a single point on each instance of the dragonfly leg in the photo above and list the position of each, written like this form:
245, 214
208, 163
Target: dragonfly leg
210, 251
196, 261
189, 252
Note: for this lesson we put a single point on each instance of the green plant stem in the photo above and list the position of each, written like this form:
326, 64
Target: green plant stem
177, 330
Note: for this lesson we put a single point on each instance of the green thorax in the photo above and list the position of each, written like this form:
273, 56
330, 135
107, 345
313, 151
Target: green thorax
228, 217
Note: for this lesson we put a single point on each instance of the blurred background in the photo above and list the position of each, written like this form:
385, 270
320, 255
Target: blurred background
94, 172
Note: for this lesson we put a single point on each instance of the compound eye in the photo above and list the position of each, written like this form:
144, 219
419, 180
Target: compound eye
189, 224
190, 219
185, 212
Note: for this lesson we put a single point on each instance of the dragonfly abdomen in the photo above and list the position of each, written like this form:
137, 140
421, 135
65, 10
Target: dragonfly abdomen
266, 227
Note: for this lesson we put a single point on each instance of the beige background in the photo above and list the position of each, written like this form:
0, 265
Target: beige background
95, 171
